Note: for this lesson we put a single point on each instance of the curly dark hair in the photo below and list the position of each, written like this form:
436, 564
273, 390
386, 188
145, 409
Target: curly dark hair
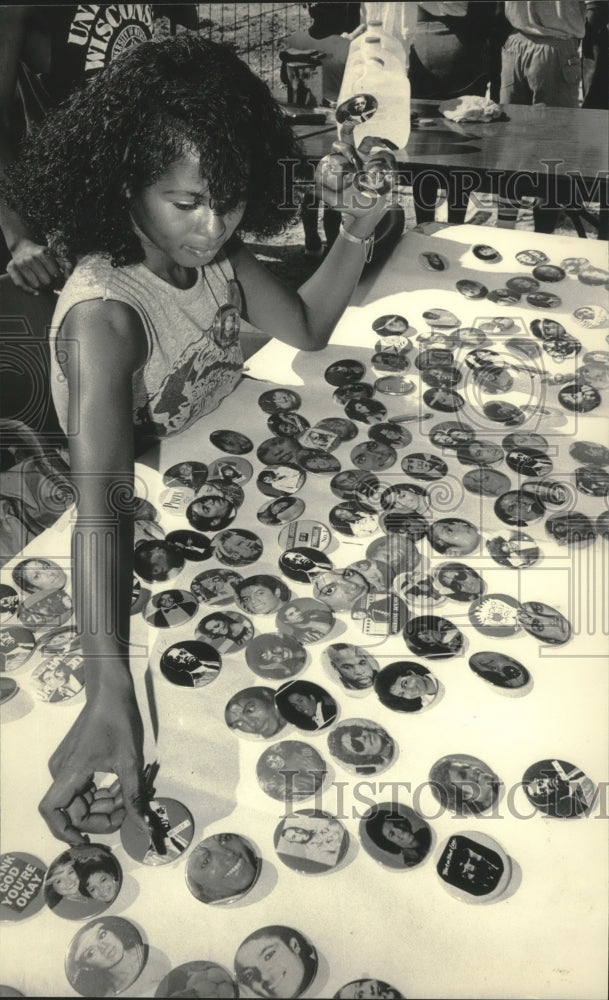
124, 129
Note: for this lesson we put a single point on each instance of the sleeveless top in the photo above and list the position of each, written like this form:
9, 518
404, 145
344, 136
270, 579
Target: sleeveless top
83, 39
194, 355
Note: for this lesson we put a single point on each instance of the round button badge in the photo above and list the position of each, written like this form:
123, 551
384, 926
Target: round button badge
172, 829
362, 746
21, 881
16, 647
206, 980
82, 882
395, 835
276, 954
464, 784
290, 771
190, 663
311, 841
474, 867
275, 657
558, 788
405, 686
252, 712
222, 868
112, 933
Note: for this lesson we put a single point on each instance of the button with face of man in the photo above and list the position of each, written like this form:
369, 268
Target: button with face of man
395, 835
172, 829
559, 788
362, 746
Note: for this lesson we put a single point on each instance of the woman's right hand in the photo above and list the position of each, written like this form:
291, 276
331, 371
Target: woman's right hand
106, 737
34, 267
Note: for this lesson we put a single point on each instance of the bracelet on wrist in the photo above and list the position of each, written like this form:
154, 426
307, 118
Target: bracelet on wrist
367, 242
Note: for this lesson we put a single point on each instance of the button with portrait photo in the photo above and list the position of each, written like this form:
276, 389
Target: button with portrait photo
252, 713
522, 283
87, 967
187, 474
275, 657
262, 594
514, 550
474, 867
319, 462
351, 666
355, 390
486, 482
318, 439
281, 480
391, 434
237, 546
170, 608
388, 361
158, 561
464, 784
591, 316
305, 619
287, 424
279, 400
58, 678
503, 672
194, 546
357, 988
345, 430
303, 564
482, 251
519, 508
458, 582
311, 841
306, 705
291, 771
394, 385
172, 828
9, 602
351, 519
215, 586
190, 663
390, 325
212, 510
559, 788
232, 442
233, 470
198, 979
544, 622
578, 397
591, 481
222, 868
433, 261
548, 272
276, 954
16, 647
532, 257
344, 372
433, 637
82, 882
226, 631
406, 686
373, 456
395, 835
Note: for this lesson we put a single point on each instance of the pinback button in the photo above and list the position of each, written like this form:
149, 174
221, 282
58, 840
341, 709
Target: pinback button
514, 551
21, 878
59, 678
362, 746
518, 508
526, 347
573, 265
172, 827
373, 456
319, 439
226, 631
486, 253
590, 480
356, 390
82, 882
287, 424
544, 623
597, 358
344, 429
344, 372
442, 318
433, 637
275, 657
279, 400
590, 452
95, 983
505, 296
252, 713
595, 375
592, 275
194, 546
558, 788
295, 980
529, 461
190, 663
367, 988
532, 257
591, 316
306, 705
437, 377
495, 615
395, 835
434, 357
423, 466
444, 400
501, 671
351, 519
471, 289
235, 470
303, 564
497, 325
215, 586
61, 640
386, 361
548, 272
158, 561
290, 770
432, 261
579, 397
470, 336
390, 325
170, 608
317, 461
544, 300
278, 511
405, 686
394, 385
306, 619
486, 482
312, 534
233, 442
311, 841
554, 494
281, 480
391, 434
186, 474
16, 646
366, 411
474, 867
9, 602
400, 522
198, 979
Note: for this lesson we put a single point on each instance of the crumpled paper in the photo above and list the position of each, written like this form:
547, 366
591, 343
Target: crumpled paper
471, 108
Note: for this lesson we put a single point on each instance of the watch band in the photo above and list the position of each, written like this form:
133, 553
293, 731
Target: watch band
367, 242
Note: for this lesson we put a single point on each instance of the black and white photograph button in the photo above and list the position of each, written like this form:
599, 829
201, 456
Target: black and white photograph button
172, 828
502, 412
287, 424
343, 429
441, 377
37, 576
261, 594
191, 475
278, 451
395, 835
471, 289
194, 546
373, 456
464, 784
281, 480
592, 481
522, 283
312, 534
252, 712
21, 876
544, 300
233, 442
339, 589
366, 411
323, 439
190, 663
424, 466
276, 961
597, 358
406, 686
562, 348
279, 400
529, 462
281, 510
105, 957
530, 258
82, 882
226, 631
16, 647
419, 591
175, 499
45, 609
514, 549
290, 771
198, 979
451, 434
595, 375
434, 357
394, 385
275, 657
222, 868
58, 678
544, 622
486, 253
497, 325
480, 452
216, 586
433, 261
504, 296
351, 666
8, 689
573, 265
548, 272
591, 316
496, 615
9, 602
454, 536
474, 867
389, 361
559, 788
503, 672
212, 511
405, 497
593, 275
306, 705
458, 582
61, 640
579, 397
442, 318
319, 462
443, 400
571, 529
362, 746
519, 508
548, 491
170, 608
305, 619
311, 841
233, 470
390, 325
304, 564
344, 372
392, 434
358, 989
158, 561
486, 482
355, 390
398, 522
349, 518
433, 637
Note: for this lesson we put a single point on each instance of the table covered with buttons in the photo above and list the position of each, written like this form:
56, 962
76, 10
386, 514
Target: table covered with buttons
369, 640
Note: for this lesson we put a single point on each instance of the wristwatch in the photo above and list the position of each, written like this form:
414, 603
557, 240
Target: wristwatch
367, 242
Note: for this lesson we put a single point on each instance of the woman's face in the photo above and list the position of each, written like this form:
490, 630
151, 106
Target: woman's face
398, 834
101, 886
284, 400
296, 835
175, 222
408, 686
304, 704
293, 616
99, 948
253, 715
271, 968
40, 575
216, 627
353, 664
65, 880
222, 866
212, 506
